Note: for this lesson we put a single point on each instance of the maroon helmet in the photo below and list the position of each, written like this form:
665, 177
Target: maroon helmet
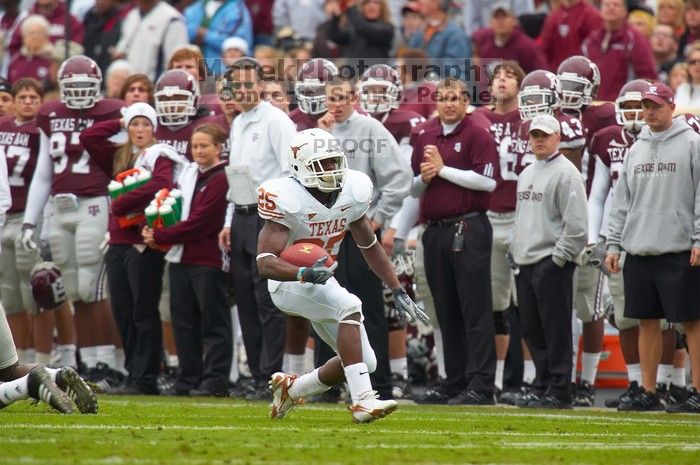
389, 98
176, 97
539, 94
79, 82
631, 92
579, 79
310, 88
47, 286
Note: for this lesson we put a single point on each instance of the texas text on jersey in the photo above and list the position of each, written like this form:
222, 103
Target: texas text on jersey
19, 143
611, 145
287, 202
74, 171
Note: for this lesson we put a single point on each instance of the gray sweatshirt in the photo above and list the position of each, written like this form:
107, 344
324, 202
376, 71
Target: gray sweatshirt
656, 204
551, 216
371, 148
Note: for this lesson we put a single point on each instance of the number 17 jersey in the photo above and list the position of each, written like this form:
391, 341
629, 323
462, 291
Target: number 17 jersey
287, 202
74, 171
19, 143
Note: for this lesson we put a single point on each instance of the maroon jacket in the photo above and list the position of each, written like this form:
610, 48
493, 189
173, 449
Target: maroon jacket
564, 30
468, 147
57, 29
199, 233
625, 55
102, 151
518, 47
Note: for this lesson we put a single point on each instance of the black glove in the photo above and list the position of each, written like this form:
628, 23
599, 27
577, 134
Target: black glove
319, 273
408, 307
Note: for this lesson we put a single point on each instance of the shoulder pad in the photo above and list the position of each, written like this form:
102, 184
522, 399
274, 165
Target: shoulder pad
279, 196
360, 185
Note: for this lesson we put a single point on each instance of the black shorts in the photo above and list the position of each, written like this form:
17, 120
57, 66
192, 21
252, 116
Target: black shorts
662, 286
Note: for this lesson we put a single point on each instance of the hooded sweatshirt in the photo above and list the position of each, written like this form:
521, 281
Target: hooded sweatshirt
656, 205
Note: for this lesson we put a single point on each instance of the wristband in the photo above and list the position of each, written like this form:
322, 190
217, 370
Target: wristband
300, 273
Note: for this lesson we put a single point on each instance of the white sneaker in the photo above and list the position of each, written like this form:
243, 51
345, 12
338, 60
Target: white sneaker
370, 408
282, 402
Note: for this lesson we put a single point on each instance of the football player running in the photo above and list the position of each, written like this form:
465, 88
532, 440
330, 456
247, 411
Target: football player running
320, 202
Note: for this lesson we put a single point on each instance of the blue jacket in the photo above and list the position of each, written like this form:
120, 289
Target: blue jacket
451, 42
231, 19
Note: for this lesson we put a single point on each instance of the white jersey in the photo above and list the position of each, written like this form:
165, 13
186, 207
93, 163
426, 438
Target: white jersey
287, 202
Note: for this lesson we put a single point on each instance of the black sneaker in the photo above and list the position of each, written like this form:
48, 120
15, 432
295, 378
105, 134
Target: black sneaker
691, 405
677, 394
644, 401
102, 378
258, 390
72, 384
400, 387
509, 397
526, 396
551, 402
632, 390
584, 395
240, 388
434, 396
472, 397
212, 387
129, 389
40, 387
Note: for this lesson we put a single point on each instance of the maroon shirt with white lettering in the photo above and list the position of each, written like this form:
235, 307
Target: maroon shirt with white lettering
19, 144
468, 147
179, 138
611, 146
594, 118
400, 123
74, 172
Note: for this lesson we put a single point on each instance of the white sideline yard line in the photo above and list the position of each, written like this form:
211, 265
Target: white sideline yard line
609, 415
290, 428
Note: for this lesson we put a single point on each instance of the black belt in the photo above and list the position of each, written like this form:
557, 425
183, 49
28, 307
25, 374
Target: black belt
251, 209
455, 220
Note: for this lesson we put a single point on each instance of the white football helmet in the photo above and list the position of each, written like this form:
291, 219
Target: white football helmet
310, 150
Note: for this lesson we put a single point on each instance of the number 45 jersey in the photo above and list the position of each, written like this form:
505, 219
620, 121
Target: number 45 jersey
19, 144
74, 171
287, 202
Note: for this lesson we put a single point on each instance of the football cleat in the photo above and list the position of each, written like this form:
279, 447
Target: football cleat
40, 387
584, 395
282, 402
77, 389
691, 404
632, 390
369, 408
644, 401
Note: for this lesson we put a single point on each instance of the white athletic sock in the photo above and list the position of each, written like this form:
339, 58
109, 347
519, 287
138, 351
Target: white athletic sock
26, 356
399, 366
42, 358
439, 352
500, 364
66, 355
589, 366
297, 363
307, 385
172, 361
308, 360
634, 373
89, 356
120, 359
664, 374
357, 376
106, 354
529, 372
14, 390
679, 376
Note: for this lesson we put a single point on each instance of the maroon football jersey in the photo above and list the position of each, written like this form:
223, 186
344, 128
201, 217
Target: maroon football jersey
419, 98
400, 123
74, 171
179, 138
611, 146
692, 121
594, 118
304, 120
19, 144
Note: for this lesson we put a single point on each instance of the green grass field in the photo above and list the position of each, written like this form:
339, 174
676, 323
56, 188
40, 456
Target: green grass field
146, 431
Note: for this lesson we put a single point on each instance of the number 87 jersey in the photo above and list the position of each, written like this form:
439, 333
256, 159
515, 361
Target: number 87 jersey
287, 202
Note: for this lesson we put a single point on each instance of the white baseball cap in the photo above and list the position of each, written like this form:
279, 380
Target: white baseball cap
140, 109
235, 42
545, 123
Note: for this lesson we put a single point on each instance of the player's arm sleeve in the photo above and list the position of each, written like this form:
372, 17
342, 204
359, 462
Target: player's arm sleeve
484, 155
40, 188
596, 201
468, 179
571, 197
418, 186
5, 195
406, 218
392, 174
618, 210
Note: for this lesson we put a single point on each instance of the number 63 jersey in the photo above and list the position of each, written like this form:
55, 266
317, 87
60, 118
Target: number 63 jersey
287, 202
74, 171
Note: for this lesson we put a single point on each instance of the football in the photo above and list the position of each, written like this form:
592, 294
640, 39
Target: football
305, 254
